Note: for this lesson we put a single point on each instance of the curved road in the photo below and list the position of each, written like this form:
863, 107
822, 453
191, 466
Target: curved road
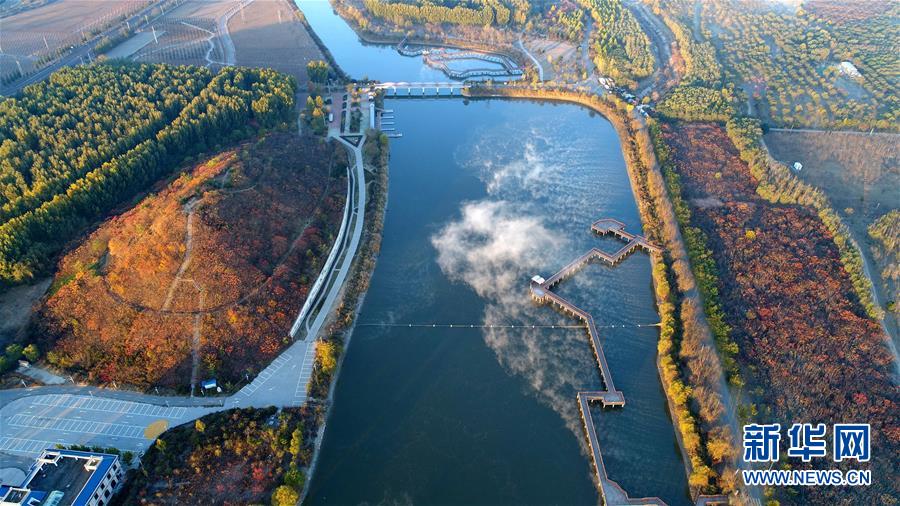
32, 419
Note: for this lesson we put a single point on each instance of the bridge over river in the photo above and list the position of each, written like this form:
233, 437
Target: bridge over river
421, 89
541, 291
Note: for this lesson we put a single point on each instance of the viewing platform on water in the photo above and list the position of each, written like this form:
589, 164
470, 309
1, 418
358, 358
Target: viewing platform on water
541, 291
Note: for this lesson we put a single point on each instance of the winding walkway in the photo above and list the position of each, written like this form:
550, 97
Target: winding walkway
541, 291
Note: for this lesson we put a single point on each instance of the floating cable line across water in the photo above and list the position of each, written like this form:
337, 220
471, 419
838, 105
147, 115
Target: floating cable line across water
499, 326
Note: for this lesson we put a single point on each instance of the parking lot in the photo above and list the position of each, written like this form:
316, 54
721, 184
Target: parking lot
31, 424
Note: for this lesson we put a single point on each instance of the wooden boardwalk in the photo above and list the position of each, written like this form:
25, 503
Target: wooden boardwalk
541, 291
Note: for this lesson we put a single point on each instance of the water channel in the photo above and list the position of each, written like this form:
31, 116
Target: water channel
483, 195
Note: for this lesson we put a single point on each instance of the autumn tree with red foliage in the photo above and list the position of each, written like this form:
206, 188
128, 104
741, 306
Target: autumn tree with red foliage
228, 250
808, 350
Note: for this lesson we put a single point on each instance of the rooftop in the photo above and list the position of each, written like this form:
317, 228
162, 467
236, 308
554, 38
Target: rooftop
68, 476
68, 473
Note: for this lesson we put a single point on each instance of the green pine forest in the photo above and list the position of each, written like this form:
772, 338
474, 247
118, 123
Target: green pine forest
92, 137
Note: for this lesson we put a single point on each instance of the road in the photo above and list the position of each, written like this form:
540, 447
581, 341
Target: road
818, 131
78, 55
284, 382
32, 419
537, 64
661, 39
586, 60
222, 29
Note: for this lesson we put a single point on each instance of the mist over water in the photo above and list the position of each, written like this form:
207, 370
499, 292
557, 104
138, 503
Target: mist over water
484, 195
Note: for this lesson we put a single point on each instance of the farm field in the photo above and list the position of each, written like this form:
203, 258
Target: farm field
269, 34
860, 174
198, 280
61, 24
806, 347
189, 35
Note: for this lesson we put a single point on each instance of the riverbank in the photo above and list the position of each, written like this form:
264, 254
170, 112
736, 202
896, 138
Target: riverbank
322, 47
508, 50
660, 225
353, 296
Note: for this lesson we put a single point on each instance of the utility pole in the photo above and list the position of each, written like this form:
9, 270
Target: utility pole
45, 42
155, 40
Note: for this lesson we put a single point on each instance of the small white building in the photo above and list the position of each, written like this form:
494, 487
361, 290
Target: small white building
849, 69
798, 166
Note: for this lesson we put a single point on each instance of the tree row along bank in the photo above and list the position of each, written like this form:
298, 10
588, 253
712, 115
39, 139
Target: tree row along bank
330, 350
773, 276
235, 103
689, 367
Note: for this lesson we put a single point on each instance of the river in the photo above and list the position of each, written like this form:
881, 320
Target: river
483, 195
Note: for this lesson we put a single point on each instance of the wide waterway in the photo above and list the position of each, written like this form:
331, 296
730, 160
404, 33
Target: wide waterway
482, 196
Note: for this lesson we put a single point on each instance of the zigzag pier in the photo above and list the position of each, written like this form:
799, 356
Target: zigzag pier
541, 291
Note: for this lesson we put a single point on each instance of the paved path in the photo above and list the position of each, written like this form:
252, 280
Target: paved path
818, 131
537, 64
32, 419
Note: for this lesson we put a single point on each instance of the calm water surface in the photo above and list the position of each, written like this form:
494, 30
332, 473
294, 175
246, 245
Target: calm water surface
482, 196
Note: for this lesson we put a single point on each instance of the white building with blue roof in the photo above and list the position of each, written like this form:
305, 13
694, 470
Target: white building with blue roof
67, 478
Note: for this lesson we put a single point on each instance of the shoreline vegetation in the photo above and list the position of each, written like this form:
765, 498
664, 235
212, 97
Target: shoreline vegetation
330, 351
689, 367
351, 15
786, 294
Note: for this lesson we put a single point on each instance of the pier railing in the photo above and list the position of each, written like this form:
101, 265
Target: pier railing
542, 291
